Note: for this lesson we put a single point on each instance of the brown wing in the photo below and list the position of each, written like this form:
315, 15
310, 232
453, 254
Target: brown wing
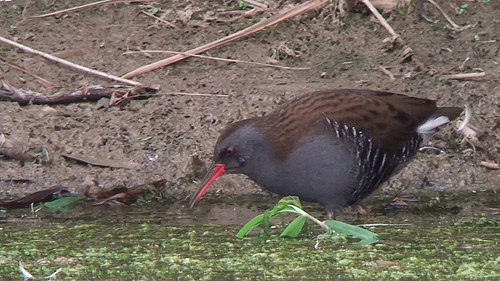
390, 119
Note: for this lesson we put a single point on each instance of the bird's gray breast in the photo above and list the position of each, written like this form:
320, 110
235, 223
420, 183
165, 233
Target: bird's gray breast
320, 169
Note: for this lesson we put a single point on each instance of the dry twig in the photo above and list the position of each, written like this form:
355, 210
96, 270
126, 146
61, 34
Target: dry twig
243, 14
88, 93
383, 22
68, 63
490, 165
256, 4
463, 76
162, 20
195, 94
219, 59
455, 26
387, 72
297, 10
41, 80
74, 9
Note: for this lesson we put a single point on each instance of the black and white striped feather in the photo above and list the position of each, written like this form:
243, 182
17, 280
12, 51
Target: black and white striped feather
375, 165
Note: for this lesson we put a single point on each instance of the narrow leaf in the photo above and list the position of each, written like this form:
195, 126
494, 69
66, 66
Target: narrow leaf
250, 226
292, 209
294, 228
61, 202
367, 237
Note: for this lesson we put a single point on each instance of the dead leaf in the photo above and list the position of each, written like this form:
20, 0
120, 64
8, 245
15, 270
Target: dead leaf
18, 180
96, 192
45, 195
407, 54
119, 195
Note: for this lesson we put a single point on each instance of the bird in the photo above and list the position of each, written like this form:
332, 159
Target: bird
333, 147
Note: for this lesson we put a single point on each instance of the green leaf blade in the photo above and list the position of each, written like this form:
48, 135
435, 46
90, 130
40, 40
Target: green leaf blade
258, 220
61, 202
367, 237
293, 229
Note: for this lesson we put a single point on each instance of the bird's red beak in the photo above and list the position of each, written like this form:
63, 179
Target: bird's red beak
215, 171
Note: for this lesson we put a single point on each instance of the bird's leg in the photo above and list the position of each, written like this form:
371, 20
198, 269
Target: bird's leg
330, 214
360, 210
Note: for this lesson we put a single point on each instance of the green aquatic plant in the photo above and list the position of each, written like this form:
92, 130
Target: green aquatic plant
334, 229
60, 204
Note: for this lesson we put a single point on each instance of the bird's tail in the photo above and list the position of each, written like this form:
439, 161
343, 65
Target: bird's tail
437, 120
451, 112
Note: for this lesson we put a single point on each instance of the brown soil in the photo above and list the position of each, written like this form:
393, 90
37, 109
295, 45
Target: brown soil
161, 134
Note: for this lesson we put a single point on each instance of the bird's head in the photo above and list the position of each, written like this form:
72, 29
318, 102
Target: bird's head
239, 149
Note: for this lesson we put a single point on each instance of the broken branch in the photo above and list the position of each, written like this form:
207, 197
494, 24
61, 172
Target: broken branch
88, 93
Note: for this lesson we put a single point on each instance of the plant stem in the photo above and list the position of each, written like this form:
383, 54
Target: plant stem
306, 215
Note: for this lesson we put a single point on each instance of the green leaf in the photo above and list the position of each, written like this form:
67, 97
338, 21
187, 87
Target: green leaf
258, 220
61, 203
290, 200
242, 4
294, 228
154, 11
462, 8
272, 212
367, 237
293, 209
286, 204
335, 230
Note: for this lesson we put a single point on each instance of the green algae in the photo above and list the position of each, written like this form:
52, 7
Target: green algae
146, 251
